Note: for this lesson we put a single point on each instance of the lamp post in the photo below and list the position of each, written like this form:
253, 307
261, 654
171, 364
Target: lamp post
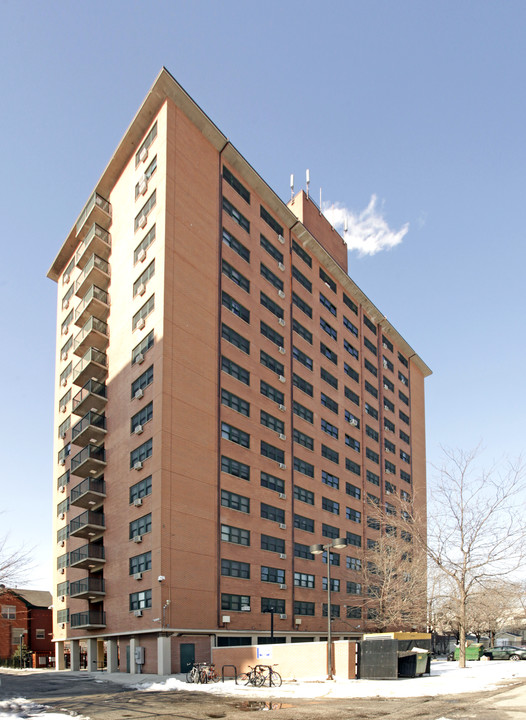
337, 544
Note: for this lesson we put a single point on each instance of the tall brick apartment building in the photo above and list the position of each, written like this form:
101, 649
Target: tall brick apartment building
225, 397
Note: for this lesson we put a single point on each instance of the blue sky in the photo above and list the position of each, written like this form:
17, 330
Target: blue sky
418, 104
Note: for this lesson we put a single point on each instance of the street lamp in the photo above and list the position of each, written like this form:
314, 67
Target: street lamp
271, 610
337, 544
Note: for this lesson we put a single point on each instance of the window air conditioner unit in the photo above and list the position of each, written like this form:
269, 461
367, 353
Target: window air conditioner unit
137, 502
141, 257
142, 221
139, 358
282, 408
283, 556
65, 330
64, 356
63, 408
138, 465
66, 278
62, 571
225, 618
282, 586
281, 294
281, 350
282, 526
281, 266
141, 323
137, 613
137, 538
63, 434
138, 430
62, 461
64, 382
282, 496
62, 543
353, 421
62, 489
282, 378
141, 289
143, 154
143, 185
137, 576
62, 598
139, 394
283, 616
62, 516
281, 239
281, 322
282, 436
63, 626
297, 621
282, 466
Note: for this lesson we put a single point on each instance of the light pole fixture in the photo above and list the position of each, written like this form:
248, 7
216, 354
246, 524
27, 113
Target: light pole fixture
336, 544
271, 610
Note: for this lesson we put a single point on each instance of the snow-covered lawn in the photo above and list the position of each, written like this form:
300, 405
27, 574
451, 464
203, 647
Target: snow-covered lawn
446, 679
22, 708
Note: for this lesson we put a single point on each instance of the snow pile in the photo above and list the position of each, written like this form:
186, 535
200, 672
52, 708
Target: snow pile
22, 708
446, 679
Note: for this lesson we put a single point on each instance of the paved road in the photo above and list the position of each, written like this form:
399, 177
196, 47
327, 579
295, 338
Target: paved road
101, 698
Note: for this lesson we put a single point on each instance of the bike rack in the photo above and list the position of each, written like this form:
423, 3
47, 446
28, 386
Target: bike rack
223, 672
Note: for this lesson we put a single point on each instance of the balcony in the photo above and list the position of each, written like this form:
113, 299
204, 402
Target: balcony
92, 366
89, 461
96, 211
89, 620
89, 588
88, 557
90, 430
88, 494
96, 272
92, 396
93, 334
88, 524
96, 302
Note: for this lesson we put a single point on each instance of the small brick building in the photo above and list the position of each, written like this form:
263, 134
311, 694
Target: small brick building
27, 612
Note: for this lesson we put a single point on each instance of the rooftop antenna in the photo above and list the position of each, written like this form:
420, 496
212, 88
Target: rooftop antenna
291, 186
307, 178
345, 227
320, 199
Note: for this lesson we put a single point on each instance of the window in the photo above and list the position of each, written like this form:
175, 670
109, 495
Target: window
64, 400
148, 140
404, 436
229, 432
354, 563
403, 397
353, 515
143, 246
144, 278
302, 385
302, 305
235, 276
302, 358
300, 277
271, 363
140, 563
272, 604
369, 366
272, 544
303, 523
303, 608
145, 210
272, 422
328, 329
64, 328
271, 334
142, 381
330, 480
236, 216
405, 456
300, 252
352, 306
351, 372
369, 324
302, 466
144, 311
330, 505
330, 454
271, 393
330, 531
302, 551
335, 610
372, 477
353, 467
373, 523
390, 489
142, 417
236, 371
403, 379
373, 456
370, 432
235, 535
235, 502
235, 338
351, 349
302, 439
267, 217
352, 443
141, 489
9, 612
354, 539
235, 307
350, 326
272, 482
272, 452
390, 467
405, 476
371, 411
388, 425
387, 344
302, 331
403, 360
389, 446
66, 277
234, 467
352, 419
353, 491
329, 354
405, 496
142, 453
388, 365
352, 396
373, 499
140, 526
303, 495
235, 603
141, 600
354, 588
327, 304
335, 584
371, 389
330, 380
403, 417
142, 348
66, 373
270, 305
236, 246
64, 350
302, 412
234, 182
63, 506
235, 402
272, 251
328, 428
303, 580
327, 280
234, 568
272, 575
64, 427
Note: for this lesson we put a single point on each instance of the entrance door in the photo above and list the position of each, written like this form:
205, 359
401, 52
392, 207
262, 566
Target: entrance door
186, 656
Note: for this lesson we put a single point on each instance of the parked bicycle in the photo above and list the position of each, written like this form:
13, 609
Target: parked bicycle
254, 676
202, 673
271, 677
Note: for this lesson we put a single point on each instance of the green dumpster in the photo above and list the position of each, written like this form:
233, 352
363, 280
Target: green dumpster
473, 652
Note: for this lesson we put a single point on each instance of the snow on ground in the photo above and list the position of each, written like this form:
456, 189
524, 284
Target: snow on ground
22, 708
446, 679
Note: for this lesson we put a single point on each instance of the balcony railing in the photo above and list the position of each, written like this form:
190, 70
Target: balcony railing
96, 272
89, 588
89, 619
90, 460
88, 556
95, 302
93, 334
87, 524
89, 493
96, 210
91, 396
93, 365
91, 429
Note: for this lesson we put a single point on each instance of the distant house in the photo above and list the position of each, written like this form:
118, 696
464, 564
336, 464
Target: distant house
26, 613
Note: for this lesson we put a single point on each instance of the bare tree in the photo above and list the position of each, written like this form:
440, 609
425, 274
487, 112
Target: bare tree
14, 564
493, 608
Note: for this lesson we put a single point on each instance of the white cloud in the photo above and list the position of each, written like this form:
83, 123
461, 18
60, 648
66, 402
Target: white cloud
367, 231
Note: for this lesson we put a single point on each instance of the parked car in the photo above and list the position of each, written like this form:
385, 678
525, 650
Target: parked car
506, 652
